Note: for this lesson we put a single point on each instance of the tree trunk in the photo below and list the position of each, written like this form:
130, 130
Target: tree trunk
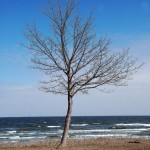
67, 122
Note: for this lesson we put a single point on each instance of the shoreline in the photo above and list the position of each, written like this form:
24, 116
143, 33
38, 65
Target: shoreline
83, 144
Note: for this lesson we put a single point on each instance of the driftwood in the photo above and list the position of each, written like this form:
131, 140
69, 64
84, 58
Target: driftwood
135, 141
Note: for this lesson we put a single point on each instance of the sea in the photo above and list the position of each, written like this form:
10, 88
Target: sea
24, 129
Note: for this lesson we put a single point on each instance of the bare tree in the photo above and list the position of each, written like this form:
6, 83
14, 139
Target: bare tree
73, 58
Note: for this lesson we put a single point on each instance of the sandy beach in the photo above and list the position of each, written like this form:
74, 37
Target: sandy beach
90, 144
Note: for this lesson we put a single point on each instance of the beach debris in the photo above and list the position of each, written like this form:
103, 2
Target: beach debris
135, 141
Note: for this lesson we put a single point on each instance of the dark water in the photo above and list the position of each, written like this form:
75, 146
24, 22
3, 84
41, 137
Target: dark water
46, 128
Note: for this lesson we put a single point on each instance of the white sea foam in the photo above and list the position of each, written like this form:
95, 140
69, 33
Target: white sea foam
14, 137
133, 124
77, 131
3, 137
31, 133
28, 133
11, 132
107, 130
108, 135
78, 125
26, 138
47, 133
30, 137
130, 130
101, 135
13, 141
42, 137
53, 126
87, 131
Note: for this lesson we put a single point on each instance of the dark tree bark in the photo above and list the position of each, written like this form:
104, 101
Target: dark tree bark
69, 113
73, 58
67, 122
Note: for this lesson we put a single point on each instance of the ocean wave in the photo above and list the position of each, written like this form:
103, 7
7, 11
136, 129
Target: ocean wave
11, 141
11, 132
27, 133
79, 125
32, 137
80, 131
107, 130
133, 124
14, 137
42, 137
47, 133
53, 126
101, 135
88, 131
109, 136
25, 138
4, 137
132, 130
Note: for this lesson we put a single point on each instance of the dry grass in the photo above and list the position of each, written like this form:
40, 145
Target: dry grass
93, 144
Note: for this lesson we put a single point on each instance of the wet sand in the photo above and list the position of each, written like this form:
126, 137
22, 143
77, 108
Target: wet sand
90, 144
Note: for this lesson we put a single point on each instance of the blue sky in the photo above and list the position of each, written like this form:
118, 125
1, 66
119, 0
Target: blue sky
126, 22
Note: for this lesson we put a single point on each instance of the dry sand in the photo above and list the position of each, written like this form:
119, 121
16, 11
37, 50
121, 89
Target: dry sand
92, 144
